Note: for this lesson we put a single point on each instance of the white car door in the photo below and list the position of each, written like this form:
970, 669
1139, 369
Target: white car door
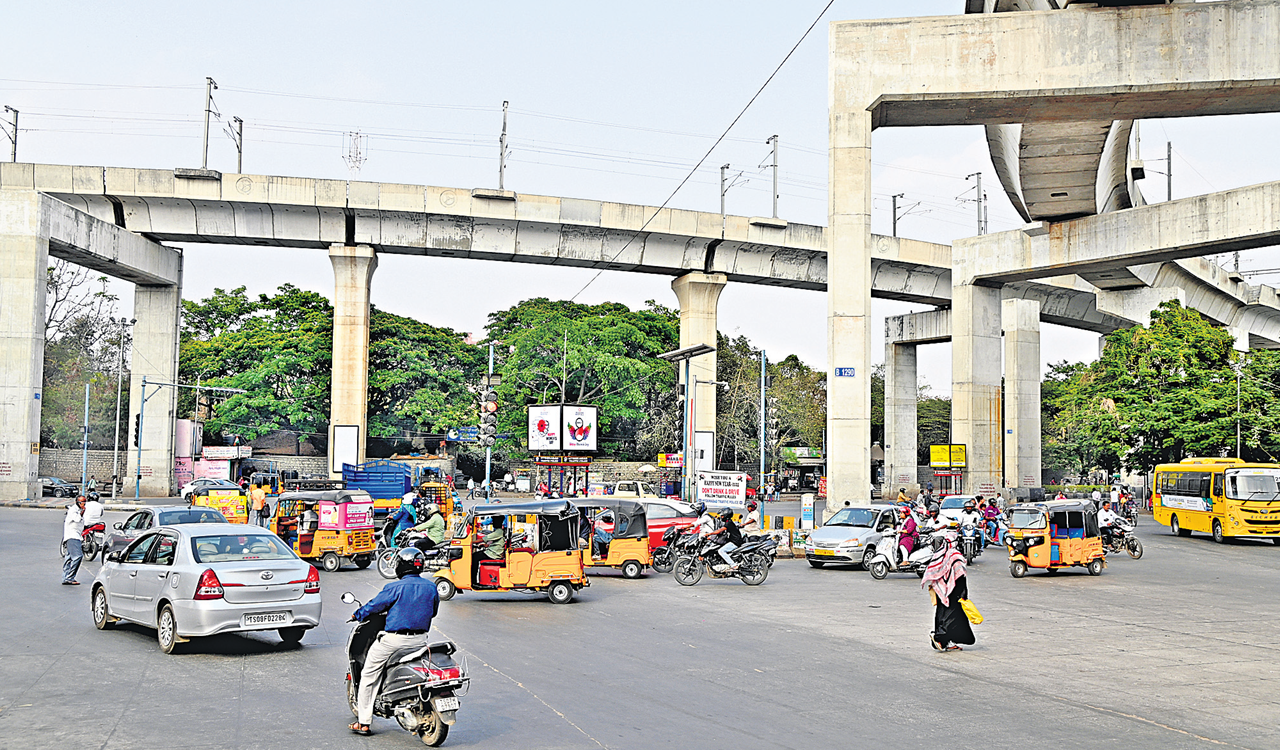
153, 576
124, 578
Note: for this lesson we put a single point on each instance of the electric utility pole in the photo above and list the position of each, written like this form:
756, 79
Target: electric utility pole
209, 87
724, 189
14, 135
774, 140
237, 137
84, 464
502, 149
764, 358
981, 200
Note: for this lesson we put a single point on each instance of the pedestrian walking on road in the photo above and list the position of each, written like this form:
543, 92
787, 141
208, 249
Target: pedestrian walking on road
258, 510
947, 584
92, 485
72, 527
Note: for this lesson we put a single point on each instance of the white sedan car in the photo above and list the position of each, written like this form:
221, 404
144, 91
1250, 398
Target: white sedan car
200, 579
190, 487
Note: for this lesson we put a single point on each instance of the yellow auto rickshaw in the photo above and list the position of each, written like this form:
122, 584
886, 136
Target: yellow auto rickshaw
233, 504
539, 551
332, 526
1054, 535
618, 535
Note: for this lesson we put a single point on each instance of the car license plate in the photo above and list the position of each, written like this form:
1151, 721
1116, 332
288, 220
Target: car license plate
446, 704
828, 552
266, 618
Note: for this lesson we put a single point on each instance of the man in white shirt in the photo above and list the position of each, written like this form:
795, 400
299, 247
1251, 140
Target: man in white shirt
1115, 496
1106, 520
970, 515
72, 526
750, 521
706, 523
1097, 498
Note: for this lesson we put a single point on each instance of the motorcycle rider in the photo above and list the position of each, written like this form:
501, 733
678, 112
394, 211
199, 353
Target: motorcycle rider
432, 527
751, 521
989, 515
733, 538
410, 602
934, 521
400, 521
706, 523
970, 515
1106, 521
93, 510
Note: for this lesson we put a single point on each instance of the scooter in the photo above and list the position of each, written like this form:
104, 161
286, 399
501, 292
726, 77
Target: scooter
970, 542
420, 686
890, 556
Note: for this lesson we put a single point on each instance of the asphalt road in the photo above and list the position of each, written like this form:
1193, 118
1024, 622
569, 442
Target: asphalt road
1177, 650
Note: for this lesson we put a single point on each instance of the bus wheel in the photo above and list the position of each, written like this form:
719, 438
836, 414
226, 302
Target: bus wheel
1218, 536
1176, 527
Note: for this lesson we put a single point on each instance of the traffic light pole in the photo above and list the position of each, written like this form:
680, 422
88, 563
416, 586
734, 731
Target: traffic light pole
488, 451
689, 389
760, 479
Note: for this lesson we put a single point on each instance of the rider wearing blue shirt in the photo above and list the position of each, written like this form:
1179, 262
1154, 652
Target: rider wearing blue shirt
410, 603
403, 519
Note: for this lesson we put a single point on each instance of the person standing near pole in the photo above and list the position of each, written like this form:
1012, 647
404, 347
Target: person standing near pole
72, 528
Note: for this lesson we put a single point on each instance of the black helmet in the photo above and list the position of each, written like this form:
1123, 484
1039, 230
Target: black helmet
409, 561
933, 509
726, 514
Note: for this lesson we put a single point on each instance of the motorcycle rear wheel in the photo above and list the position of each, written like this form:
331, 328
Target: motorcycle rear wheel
687, 570
663, 560
90, 547
754, 570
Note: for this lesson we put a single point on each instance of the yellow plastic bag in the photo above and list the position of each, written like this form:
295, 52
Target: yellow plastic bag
971, 611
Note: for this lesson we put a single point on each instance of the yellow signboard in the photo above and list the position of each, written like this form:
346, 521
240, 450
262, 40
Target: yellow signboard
947, 456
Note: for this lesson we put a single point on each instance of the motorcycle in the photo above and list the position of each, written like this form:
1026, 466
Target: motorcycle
1121, 539
890, 558
94, 540
970, 542
420, 687
677, 541
436, 558
751, 562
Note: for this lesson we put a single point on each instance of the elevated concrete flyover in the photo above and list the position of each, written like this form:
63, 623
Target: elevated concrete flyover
33, 228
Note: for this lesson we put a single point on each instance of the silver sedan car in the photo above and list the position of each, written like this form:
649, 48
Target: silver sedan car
200, 579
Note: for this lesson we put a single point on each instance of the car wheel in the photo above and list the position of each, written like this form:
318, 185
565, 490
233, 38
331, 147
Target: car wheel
560, 592
291, 636
102, 618
816, 563
330, 562
167, 630
445, 589
631, 569
1218, 536
1018, 569
867, 556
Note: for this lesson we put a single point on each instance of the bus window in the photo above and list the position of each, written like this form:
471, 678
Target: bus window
1217, 485
1204, 485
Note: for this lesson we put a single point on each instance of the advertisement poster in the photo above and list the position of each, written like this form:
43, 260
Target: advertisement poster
581, 428
722, 489
544, 428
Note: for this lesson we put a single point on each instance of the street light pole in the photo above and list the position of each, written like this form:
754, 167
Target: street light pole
685, 355
488, 450
1238, 411
774, 141
84, 462
14, 153
115, 450
763, 359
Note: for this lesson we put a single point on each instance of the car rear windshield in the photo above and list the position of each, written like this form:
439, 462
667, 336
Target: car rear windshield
194, 515
237, 547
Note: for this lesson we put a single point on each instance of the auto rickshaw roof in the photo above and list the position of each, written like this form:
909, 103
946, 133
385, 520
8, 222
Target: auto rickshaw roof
540, 508
331, 496
1050, 506
618, 505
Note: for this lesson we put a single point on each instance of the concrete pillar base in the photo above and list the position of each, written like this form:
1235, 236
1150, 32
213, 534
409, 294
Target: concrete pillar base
1021, 323
22, 291
353, 269
975, 384
900, 418
154, 356
699, 296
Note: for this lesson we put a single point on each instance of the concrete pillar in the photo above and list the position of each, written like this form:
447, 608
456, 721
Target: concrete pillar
900, 390
975, 383
22, 299
353, 269
849, 302
155, 356
699, 295
1021, 322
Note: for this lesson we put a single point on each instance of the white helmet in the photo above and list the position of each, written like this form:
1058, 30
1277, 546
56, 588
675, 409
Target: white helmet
407, 501
431, 509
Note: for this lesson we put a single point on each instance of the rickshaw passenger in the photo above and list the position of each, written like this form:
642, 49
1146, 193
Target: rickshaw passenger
287, 529
602, 536
495, 541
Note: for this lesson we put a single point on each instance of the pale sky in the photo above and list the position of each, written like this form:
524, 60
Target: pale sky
608, 101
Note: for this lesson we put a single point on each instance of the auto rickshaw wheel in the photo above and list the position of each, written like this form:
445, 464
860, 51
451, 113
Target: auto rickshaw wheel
632, 569
1051, 570
1095, 567
330, 562
445, 589
559, 593
1018, 569
362, 561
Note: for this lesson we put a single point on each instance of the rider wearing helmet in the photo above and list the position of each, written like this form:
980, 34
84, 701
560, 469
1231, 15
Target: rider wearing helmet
400, 521
410, 603
706, 523
934, 521
733, 537
970, 515
432, 527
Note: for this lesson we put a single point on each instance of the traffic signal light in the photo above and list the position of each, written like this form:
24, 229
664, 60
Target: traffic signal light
488, 432
137, 428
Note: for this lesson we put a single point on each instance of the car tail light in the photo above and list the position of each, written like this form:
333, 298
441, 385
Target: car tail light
209, 587
312, 585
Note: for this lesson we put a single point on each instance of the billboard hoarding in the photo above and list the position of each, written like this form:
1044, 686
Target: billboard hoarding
722, 489
580, 427
544, 428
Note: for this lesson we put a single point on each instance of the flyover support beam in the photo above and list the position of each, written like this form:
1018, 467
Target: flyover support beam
353, 269
22, 290
699, 296
154, 356
975, 383
1021, 393
900, 417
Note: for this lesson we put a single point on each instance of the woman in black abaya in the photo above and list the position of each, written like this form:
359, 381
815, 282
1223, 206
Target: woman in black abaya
947, 584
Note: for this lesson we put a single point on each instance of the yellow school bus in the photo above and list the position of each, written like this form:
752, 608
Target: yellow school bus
1225, 497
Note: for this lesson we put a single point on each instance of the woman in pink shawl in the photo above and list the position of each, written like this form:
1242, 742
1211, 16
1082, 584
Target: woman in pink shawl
947, 584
